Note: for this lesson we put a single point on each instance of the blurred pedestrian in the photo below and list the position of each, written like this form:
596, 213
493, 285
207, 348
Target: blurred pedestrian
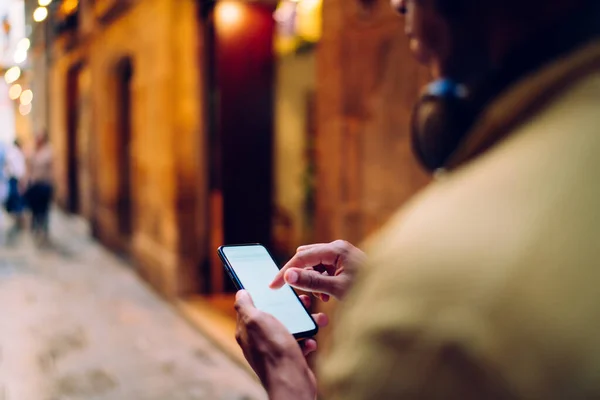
3, 182
15, 170
40, 191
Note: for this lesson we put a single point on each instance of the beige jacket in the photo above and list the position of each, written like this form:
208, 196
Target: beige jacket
487, 286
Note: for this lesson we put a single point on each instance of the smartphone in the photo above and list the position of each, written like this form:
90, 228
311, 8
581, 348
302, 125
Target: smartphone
251, 267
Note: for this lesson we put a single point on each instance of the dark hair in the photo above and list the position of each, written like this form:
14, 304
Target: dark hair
458, 8
524, 9
450, 8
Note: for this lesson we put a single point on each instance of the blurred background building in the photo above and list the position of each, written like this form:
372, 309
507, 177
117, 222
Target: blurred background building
180, 125
15, 90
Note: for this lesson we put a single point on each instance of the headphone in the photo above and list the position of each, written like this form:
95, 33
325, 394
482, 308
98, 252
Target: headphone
440, 120
444, 113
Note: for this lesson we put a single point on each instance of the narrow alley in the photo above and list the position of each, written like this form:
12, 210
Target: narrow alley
77, 323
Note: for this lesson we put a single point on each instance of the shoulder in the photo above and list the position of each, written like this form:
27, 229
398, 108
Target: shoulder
486, 210
482, 271
479, 258
466, 235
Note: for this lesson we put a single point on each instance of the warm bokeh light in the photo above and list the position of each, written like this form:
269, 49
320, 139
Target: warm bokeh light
26, 97
68, 7
308, 20
40, 14
24, 44
12, 75
228, 13
25, 109
15, 92
44, 3
299, 22
20, 56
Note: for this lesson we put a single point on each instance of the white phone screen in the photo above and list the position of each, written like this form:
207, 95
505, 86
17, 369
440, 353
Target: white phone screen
256, 269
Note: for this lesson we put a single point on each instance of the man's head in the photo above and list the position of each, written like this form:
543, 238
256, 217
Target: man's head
42, 139
480, 47
462, 39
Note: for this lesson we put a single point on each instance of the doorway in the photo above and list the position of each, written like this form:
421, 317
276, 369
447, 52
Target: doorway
239, 82
85, 205
123, 103
241, 145
72, 153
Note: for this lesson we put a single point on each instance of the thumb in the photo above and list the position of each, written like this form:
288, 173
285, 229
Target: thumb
312, 281
243, 302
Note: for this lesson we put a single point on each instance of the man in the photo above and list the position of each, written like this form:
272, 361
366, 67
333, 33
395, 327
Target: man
39, 194
3, 184
485, 285
15, 170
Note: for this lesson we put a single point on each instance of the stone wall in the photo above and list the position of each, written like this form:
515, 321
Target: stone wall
63, 61
367, 83
161, 40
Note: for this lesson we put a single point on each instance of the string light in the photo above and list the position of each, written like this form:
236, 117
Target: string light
40, 14
25, 109
68, 7
12, 75
24, 44
20, 56
15, 92
229, 13
26, 97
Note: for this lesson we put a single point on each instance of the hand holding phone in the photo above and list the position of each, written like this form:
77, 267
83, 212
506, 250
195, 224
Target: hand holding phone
252, 268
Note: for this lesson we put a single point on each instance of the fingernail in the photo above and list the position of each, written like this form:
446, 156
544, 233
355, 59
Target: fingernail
277, 282
291, 277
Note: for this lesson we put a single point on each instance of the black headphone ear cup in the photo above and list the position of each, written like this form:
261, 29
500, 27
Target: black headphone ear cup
437, 127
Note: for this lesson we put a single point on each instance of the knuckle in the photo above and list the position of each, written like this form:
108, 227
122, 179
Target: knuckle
339, 287
342, 249
253, 321
309, 280
336, 290
301, 257
300, 248
279, 346
340, 243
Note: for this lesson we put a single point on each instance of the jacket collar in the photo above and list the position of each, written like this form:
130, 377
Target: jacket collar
524, 99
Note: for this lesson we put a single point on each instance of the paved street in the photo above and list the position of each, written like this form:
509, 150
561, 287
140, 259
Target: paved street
76, 323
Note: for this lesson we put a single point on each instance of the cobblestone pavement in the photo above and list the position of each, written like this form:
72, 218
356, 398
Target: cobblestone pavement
77, 323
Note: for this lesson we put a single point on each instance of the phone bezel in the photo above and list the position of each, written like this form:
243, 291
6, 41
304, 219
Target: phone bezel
238, 284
